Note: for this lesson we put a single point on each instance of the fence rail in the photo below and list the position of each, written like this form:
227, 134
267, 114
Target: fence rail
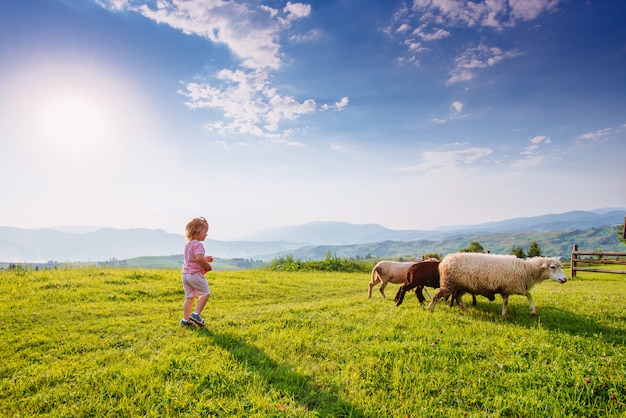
601, 260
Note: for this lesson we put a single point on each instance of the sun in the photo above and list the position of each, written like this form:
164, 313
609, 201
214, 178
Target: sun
72, 121
72, 115
67, 110
75, 112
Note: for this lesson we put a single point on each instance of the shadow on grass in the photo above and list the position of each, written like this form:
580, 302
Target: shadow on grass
552, 319
284, 379
562, 320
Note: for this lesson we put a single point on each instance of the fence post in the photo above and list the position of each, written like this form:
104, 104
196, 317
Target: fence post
573, 262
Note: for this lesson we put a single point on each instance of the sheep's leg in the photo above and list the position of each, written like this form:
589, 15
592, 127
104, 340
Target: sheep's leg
441, 293
382, 289
459, 300
473, 299
505, 302
397, 297
400, 296
373, 283
427, 294
533, 311
452, 299
419, 294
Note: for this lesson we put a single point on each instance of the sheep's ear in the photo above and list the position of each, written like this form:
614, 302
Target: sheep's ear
558, 258
544, 265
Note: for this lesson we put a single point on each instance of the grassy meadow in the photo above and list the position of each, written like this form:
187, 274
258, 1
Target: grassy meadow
106, 342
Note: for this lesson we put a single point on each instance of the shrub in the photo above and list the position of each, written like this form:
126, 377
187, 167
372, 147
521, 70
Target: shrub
330, 263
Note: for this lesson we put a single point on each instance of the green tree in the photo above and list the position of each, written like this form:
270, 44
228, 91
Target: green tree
474, 247
621, 233
534, 250
518, 252
599, 257
432, 255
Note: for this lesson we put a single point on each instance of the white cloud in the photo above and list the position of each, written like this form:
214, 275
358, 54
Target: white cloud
438, 160
533, 155
340, 105
414, 46
294, 11
250, 33
288, 143
596, 136
456, 109
285, 108
403, 28
437, 19
531, 9
409, 60
250, 105
474, 58
531, 159
459, 75
311, 35
539, 139
273, 12
490, 13
433, 36
457, 106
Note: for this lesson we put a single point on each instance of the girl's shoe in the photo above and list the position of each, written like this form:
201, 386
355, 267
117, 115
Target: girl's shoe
185, 323
197, 319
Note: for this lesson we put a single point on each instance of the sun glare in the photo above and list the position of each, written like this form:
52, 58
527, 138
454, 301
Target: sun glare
72, 121
70, 111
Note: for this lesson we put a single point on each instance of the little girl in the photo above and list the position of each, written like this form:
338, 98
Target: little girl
196, 264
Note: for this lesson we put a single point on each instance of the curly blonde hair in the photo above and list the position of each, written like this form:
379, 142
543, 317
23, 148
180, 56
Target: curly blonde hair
194, 226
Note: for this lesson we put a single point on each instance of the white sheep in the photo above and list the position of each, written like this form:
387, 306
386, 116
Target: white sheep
488, 274
388, 272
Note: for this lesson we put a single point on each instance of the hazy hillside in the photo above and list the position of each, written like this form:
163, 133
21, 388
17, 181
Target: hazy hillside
342, 233
554, 243
43, 245
554, 222
337, 233
46, 244
310, 241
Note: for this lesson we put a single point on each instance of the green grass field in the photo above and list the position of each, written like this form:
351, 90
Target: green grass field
106, 342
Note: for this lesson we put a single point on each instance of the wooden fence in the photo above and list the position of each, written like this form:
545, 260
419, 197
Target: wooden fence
599, 258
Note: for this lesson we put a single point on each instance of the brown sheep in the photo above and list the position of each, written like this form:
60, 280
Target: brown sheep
419, 275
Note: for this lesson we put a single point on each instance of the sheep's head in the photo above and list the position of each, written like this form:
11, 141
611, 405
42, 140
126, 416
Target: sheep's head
555, 269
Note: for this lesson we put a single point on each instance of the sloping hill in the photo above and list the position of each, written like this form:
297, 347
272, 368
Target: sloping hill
554, 243
336, 233
554, 222
343, 233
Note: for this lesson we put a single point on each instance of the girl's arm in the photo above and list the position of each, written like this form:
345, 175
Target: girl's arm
204, 262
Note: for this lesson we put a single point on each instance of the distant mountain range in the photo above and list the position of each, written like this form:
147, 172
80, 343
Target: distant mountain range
344, 233
306, 241
42, 245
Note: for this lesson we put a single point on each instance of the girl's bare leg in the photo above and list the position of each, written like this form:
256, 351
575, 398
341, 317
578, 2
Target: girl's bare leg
187, 308
202, 300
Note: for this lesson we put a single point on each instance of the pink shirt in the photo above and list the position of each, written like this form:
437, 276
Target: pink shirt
191, 265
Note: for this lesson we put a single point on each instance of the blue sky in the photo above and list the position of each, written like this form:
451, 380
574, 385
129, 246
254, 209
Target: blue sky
259, 114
